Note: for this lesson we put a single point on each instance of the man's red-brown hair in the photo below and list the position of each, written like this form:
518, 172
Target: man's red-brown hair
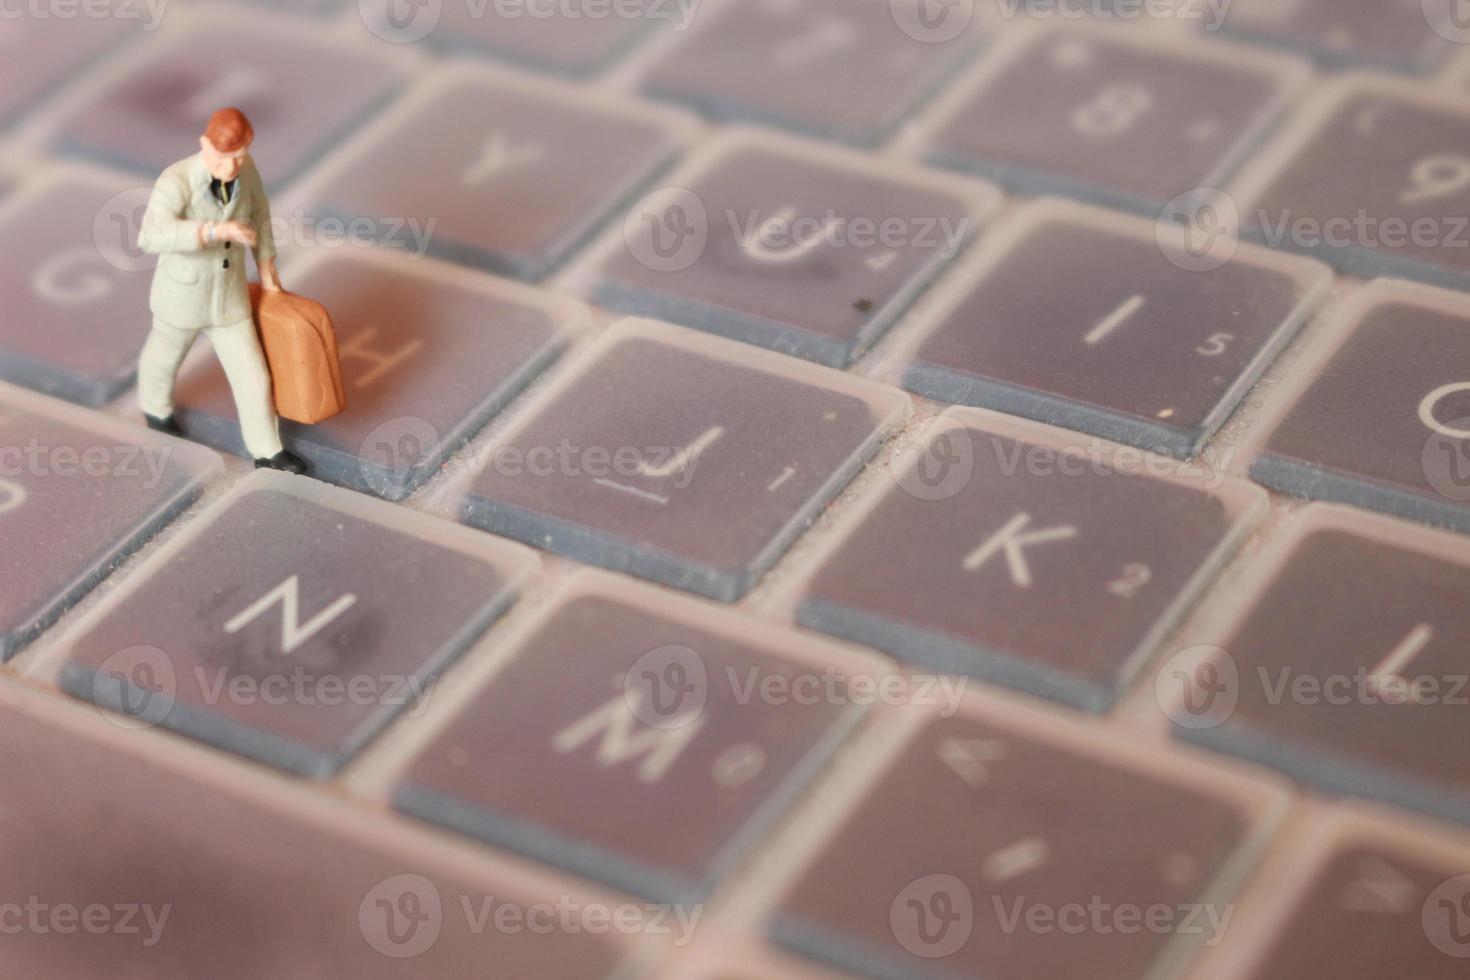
228, 130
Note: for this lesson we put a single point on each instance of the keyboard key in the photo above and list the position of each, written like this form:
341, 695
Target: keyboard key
1374, 900
429, 354
988, 831
193, 869
78, 492
1380, 418
1374, 178
37, 54
1112, 116
297, 647
727, 958
622, 706
76, 285
302, 90
835, 68
679, 458
529, 172
809, 252
575, 38
978, 555
1398, 35
1109, 325
1373, 664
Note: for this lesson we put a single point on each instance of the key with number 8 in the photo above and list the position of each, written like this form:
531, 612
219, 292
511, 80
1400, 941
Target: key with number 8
1110, 116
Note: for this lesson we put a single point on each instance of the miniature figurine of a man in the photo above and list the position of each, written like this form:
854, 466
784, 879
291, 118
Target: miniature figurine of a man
204, 212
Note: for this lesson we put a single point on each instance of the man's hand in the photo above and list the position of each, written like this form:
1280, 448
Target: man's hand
269, 281
235, 231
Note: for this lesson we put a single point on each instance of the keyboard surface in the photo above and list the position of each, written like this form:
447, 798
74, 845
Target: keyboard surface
830, 489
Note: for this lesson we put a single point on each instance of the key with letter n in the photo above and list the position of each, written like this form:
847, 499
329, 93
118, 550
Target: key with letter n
275, 627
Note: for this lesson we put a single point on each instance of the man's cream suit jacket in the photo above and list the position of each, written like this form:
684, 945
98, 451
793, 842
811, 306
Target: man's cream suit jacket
202, 285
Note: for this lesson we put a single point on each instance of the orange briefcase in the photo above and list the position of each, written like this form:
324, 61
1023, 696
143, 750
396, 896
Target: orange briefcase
301, 349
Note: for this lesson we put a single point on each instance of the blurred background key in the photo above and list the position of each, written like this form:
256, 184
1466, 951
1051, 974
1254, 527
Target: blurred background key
1107, 115
38, 53
519, 180
846, 69
75, 284
1397, 35
301, 89
577, 39
1373, 178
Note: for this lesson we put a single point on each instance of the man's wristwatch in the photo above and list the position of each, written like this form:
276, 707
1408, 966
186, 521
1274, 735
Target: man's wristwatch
211, 232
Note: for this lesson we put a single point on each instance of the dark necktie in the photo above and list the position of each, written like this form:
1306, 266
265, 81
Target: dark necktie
222, 192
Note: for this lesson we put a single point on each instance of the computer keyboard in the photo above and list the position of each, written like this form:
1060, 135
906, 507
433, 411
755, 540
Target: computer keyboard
829, 489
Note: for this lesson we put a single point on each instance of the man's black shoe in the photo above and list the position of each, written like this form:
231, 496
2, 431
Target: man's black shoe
284, 461
168, 425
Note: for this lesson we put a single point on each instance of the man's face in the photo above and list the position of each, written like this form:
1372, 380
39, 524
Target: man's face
222, 166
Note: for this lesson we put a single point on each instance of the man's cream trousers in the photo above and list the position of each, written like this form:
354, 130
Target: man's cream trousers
239, 351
